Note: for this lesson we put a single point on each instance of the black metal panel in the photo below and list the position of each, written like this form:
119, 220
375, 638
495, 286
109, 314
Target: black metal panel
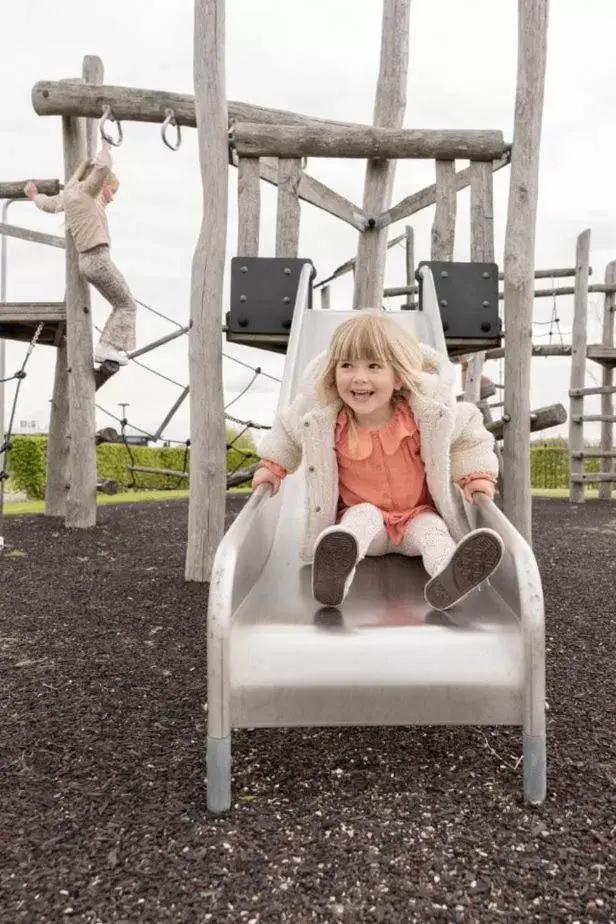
468, 299
263, 292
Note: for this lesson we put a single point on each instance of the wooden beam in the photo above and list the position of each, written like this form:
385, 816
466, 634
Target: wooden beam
36, 237
206, 508
317, 194
389, 109
157, 471
519, 262
256, 139
132, 104
578, 364
443, 231
14, 189
594, 477
241, 476
541, 419
248, 207
427, 197
288, 209
32, 312
607, 378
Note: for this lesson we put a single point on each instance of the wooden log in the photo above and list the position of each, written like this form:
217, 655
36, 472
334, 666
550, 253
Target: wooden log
519, 258
482, 251
248, 207
414, 203
317, 194
578, 365
594, 418
607, 378
81, 499
36, 237
157, 471
241, 476
15, 188
32, 312
133, 104
389, 108
58, 440
444, 225
540, 419
107, 435
288, 208
206, 509
107, 486
604, 355
256, 139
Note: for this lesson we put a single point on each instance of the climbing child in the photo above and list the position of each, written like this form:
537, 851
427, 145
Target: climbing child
84, 199
387, 452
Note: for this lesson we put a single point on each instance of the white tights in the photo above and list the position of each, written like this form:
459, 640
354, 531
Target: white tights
426, 535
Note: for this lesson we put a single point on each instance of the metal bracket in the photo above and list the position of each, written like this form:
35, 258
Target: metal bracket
467, 295
263, 292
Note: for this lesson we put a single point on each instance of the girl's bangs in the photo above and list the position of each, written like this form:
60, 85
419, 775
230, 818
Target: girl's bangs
360, 342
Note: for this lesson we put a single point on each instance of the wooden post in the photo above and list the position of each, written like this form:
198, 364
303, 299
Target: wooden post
520, 258
607, 406
248, 207
206, 509
389, 111
444, 224
58, 439
80, 510
482, 251
325, 299
578, 366
288, 212
409, 255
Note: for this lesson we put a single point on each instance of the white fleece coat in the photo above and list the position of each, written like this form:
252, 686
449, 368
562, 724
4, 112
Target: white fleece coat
454, 443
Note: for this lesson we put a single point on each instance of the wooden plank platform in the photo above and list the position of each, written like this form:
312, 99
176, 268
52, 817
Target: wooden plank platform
277, 343
19, 321
604, 355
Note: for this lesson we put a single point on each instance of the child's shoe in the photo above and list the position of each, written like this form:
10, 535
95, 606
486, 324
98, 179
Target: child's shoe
476, 557
335, 557
104, 352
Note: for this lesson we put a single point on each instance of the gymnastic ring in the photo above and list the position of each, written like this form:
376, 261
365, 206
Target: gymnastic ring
171, 120
108, 116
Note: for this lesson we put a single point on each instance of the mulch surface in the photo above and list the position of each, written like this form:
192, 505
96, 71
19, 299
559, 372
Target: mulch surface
102, 742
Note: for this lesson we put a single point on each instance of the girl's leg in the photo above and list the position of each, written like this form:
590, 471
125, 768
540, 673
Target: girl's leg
98, 268
455, 570
339, 548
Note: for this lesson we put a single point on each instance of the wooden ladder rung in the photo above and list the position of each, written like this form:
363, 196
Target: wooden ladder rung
594, 418
594, 454
595, 390
590, 477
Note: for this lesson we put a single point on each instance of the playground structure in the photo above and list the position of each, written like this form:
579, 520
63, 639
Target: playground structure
271, 145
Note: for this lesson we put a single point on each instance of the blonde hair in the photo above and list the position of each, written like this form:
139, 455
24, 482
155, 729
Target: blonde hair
84, 170
371, 334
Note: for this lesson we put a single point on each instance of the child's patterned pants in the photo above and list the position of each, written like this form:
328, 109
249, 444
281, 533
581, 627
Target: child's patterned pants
97, 267
426, 535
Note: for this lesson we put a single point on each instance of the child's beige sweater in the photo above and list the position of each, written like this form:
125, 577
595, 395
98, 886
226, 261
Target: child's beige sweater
85, 212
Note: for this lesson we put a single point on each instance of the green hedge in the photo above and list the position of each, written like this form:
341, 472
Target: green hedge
28, 462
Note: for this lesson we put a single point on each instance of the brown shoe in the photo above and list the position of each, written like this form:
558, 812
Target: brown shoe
476, 557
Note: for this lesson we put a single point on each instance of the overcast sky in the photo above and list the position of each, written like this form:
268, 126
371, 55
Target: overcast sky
320, 59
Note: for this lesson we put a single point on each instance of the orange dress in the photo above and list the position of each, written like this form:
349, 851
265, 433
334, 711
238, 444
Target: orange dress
383, 468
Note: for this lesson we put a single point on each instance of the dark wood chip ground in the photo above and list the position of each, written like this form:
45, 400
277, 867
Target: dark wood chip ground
102, 790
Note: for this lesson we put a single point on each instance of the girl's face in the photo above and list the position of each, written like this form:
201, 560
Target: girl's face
367, 386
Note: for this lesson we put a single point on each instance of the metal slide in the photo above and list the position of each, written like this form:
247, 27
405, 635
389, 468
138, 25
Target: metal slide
275, 658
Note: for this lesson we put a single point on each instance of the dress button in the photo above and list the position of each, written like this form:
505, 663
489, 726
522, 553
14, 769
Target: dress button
311, 468
306, 423
317, 509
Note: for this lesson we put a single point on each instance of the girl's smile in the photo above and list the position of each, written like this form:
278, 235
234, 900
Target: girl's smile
367, 387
